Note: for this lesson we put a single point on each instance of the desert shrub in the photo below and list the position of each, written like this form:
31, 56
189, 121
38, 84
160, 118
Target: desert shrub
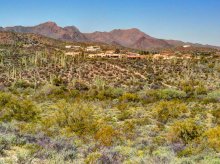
167, 110
129, 97
23, 84
213, 96
4, 98
168, 94
92, 158
77, 117
113, 93
106, 135
188, 87
216, 114
51, 91
213, 138
81, 86
122, 106
4, 145
104, 94
20, 110
74, 92
201, 90
32, 148
58, 81
185, 131
124, 114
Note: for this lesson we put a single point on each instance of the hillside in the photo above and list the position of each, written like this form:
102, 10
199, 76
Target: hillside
130, 38
50, 29
61, 107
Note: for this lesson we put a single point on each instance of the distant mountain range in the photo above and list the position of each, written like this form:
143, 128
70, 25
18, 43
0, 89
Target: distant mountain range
131, 38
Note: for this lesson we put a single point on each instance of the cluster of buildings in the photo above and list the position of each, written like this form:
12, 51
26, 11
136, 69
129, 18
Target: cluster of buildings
96, 51
113, 55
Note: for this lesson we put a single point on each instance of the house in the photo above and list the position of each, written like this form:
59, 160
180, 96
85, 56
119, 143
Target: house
72, 53
110, 52
77, 47
68, 47
135, 57
186, 46
27, 45
93, 49
133, 54
114, 55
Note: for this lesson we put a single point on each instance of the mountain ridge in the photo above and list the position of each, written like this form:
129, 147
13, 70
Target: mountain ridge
131, 38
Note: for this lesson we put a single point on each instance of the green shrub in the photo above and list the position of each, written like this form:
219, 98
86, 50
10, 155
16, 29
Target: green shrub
185, 131
168, 110
168, 94
216, 114
129, 97
213, 96
213, 138
188, 87
51, 91
104, 94
77, 117
20, 110
23, 84
4, 145
105, 135
201, 90
4, 99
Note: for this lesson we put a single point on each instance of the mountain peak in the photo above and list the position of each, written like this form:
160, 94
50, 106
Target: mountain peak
49, 23
71, 28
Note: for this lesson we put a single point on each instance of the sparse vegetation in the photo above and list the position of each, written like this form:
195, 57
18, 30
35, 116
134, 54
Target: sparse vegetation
73, 109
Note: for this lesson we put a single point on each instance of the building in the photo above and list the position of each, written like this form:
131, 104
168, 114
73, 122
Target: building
93, 49
77, 47
186, 46
68, 46
72, 53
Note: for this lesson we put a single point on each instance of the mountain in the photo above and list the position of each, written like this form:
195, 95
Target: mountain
52, 30
131, 38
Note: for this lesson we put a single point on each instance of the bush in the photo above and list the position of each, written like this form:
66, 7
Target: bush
167, 110
51, 91
188, 87
216, 114
214, 96
129, 97
81, 86
185, 131
77, 117
169, 94
213, 138
201, 90
106, 135
4, 98
23, 84
4, 145
20, 110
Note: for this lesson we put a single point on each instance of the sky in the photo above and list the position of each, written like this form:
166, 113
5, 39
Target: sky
196, 21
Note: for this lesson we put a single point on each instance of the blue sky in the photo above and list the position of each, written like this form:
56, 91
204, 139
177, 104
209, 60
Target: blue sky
187, 20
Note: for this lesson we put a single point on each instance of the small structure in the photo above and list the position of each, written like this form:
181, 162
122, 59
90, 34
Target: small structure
27, 45
132, 55
135, 57
186, 46
68, 46
93, 49
72, 53
77, 47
